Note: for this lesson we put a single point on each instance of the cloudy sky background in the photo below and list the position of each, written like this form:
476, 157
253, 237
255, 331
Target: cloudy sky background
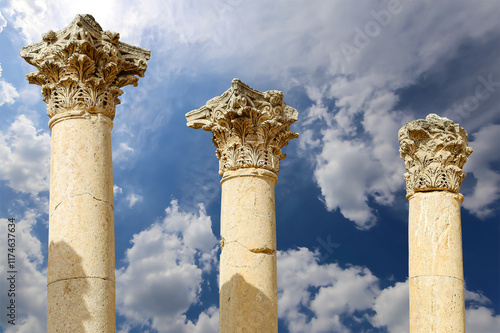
355, 70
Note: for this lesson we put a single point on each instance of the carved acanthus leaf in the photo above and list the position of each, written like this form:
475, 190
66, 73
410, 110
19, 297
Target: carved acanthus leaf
83, 66
249, 127
435, 151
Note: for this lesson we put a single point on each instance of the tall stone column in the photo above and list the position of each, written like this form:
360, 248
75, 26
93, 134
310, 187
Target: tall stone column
434, 151
249, 130
81, 70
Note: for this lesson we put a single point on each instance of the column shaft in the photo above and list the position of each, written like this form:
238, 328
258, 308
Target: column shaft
81, 278
435, 263
248, 280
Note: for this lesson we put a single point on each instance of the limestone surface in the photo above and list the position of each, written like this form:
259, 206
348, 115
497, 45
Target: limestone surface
435, 263
248, 276
81, 199
249, 130
81, 69
434, 151
249, 127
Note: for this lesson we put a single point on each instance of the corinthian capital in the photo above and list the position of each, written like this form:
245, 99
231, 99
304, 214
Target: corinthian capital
249, 127
84, 67
434, 151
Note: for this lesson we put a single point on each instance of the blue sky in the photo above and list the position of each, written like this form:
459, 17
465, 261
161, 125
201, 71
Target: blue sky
356, 71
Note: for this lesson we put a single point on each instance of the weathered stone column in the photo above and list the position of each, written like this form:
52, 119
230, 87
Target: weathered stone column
249, 129
434, 151
81, 70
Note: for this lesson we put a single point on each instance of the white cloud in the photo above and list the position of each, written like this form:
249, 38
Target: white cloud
392, 311
351, 169
359, 158
132, 199
342, 174
352, 98
25, 155
117, 190
316, 297
8, 92
481, 320
476, 298
163, 20
165, 266
338, 292
122, 153
487, 189
31, 293
3, 22
392, 308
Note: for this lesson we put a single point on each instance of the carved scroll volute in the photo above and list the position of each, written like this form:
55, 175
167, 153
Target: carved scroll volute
83, 67
435, 151
249, 127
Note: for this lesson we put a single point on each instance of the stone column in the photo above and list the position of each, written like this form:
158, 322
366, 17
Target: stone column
81, 70
249, 130
434, 151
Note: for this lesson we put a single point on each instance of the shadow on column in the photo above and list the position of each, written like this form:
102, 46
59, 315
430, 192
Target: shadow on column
244, 308
66, 307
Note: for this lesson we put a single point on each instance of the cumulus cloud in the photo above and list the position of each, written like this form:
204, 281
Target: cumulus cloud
353, 168
25, 152
165, 265
354, 96
357, 158
3, 23
487, 188
132, 199
327, 291
342, 173
122, 153
481, 320
31, 293
8, 92
392, 311
162, 20
392, 308
478, 317
350, 129
323, 297
117, 190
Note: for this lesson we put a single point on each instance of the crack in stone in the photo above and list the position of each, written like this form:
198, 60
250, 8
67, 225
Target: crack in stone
259, 250
445, 276
55, 208
81, 277
80, 194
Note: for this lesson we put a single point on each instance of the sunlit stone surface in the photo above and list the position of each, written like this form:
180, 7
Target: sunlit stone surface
434, 151
249, 130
